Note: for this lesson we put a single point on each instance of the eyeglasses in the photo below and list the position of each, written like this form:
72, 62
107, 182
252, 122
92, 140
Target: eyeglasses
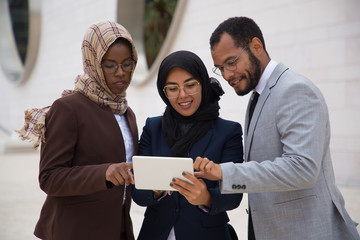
112, 67
229, 65
190, 88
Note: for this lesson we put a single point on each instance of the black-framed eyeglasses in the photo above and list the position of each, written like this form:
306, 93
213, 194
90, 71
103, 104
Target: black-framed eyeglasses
230, 65
191, 87
112, 67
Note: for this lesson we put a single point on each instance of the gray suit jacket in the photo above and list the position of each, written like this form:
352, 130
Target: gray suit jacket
288, 171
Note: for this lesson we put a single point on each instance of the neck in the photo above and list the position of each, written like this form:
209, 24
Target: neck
264, 62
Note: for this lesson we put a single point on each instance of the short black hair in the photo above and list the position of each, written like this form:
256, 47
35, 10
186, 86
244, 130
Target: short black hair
241, 29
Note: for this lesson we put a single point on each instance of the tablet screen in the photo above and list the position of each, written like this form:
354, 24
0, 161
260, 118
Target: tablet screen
156, 173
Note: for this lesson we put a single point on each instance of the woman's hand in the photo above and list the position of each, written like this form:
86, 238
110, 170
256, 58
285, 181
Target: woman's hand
120, 174
196, 193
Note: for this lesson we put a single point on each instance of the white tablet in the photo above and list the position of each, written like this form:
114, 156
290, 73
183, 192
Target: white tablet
156, 173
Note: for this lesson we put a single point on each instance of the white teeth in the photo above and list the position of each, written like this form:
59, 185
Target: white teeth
184, 104
235, 82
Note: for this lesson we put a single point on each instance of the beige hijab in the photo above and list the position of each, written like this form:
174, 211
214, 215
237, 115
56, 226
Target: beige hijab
97, 40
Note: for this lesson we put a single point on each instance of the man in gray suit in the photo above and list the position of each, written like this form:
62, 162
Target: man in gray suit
288, 171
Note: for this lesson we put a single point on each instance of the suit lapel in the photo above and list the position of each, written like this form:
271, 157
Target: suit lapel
274, 77
199, 147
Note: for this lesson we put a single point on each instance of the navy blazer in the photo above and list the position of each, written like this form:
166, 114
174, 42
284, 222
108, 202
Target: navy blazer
223, 143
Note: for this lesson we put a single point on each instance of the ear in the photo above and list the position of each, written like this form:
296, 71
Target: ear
256, 47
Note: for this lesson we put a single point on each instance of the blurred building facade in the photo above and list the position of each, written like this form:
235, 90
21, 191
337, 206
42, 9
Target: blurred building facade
317, 38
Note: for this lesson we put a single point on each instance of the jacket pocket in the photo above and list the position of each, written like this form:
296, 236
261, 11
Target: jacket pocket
295, 200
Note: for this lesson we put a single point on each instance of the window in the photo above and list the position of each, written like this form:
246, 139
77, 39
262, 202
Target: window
153, 25
19, 32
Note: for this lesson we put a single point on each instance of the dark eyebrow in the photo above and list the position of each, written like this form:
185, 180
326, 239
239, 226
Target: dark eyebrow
187, 80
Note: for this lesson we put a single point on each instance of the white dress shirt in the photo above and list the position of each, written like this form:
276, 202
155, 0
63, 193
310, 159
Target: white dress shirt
127, 137
265, 76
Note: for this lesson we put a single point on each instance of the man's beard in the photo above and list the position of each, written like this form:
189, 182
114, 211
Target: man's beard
254, 75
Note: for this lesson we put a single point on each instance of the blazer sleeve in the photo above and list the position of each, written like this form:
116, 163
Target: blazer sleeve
301, 122
232, 152
58, 176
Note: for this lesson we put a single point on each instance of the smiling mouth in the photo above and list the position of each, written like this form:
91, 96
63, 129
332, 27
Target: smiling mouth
234, 82
185, 104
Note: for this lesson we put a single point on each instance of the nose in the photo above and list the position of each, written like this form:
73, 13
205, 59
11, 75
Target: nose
119, 71
182, 93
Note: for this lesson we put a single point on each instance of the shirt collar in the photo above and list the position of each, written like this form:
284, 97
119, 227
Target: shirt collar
265, 76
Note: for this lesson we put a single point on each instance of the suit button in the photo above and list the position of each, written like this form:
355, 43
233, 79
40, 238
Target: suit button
233, 186
243, 186
177, 210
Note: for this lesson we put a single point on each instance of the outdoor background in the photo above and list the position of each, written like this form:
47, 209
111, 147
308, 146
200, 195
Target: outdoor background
317, 38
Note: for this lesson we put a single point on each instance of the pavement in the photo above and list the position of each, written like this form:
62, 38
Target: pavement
21, 199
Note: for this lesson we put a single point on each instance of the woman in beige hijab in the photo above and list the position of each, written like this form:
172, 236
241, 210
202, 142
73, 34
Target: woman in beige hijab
87, 139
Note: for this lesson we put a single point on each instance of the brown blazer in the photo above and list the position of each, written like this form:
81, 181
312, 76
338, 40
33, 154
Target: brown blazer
82, 140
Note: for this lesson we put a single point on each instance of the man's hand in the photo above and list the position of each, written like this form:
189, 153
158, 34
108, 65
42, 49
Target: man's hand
120, 174
196, 193
208, 169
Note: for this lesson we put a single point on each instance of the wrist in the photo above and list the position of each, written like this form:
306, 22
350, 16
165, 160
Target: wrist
207, 202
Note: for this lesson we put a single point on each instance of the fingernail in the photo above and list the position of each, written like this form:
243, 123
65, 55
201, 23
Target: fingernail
183, 173
173, 179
